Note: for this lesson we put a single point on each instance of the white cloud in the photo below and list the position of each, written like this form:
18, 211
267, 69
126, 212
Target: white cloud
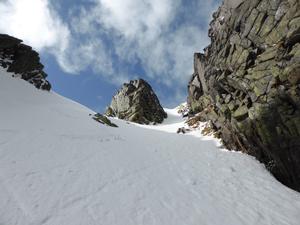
161, 34
135, 17
34, 22
112, 37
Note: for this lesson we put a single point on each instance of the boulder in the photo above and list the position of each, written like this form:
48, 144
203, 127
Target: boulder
23, 61
248, 82
136, 102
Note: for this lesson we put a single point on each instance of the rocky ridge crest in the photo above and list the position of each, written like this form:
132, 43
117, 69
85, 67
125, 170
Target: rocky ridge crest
23, 61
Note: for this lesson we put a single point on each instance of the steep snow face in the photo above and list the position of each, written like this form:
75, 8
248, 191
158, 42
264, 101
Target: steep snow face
60, 167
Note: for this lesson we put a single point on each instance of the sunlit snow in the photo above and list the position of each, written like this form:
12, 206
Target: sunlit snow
60, 167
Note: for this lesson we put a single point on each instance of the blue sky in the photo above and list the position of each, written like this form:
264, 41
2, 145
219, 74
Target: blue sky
90, 47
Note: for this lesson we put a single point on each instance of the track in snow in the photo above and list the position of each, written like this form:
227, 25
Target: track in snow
60, 167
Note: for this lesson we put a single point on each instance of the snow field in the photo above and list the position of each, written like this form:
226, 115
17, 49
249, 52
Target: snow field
60, 167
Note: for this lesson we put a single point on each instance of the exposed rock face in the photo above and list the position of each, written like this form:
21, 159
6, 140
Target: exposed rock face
23, 61
137, 102
248, 82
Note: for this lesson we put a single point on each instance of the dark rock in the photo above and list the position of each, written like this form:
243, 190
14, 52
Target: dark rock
23, 61
251, 71
136, 102
7, 42
182, 130
103, 120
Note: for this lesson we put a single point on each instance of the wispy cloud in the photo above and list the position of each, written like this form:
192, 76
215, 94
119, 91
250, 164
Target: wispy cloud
159, 35
35, 22
117, 39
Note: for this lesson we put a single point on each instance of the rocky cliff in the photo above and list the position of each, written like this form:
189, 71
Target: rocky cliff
23, 61
247, 82
136, 102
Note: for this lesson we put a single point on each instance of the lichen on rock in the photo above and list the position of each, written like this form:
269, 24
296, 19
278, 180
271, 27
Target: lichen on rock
248, 82
136, 102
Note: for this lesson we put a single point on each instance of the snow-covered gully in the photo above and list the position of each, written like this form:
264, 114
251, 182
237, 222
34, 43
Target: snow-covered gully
60, 167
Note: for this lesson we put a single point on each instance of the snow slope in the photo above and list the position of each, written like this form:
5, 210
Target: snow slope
60, 167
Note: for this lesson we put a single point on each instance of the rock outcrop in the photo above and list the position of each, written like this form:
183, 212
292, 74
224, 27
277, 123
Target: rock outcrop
247, 82
103, 120
23, 61
137, 102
